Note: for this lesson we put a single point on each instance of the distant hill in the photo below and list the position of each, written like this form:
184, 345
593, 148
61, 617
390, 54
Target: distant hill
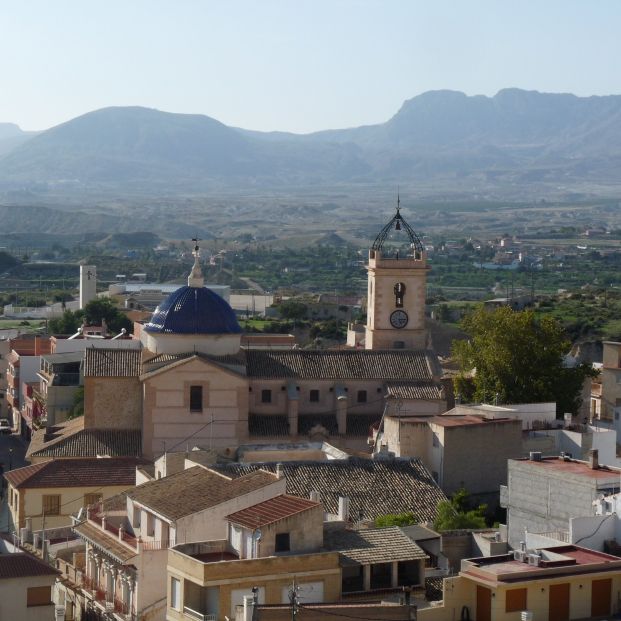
11, 136
515, 137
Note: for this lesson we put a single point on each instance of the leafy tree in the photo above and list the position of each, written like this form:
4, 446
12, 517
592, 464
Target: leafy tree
456, 513
292, 309
517, 358
77, 407
395, 519
67, 323
103, 308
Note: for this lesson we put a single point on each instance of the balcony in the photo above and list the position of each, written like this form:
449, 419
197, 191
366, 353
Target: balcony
200, 616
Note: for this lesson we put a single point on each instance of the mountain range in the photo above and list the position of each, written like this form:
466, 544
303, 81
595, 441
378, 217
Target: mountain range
515, 139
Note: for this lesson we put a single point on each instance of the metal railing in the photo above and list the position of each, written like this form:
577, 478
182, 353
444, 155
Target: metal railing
199, 616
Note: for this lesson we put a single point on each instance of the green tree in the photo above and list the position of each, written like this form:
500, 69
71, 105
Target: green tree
77, 406
292, 309
103, 308
395, 519
456, 513
517, 358
67, 323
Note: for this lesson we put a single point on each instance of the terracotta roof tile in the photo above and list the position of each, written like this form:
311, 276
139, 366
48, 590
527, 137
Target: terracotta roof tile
23, 565
81, 472
415, 390
268, 425
101, 362
342, 364
372, 545
196, 489
72, 440
374, 487
271, 511
105, 542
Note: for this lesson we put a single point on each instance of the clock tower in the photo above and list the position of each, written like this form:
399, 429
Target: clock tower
397, 278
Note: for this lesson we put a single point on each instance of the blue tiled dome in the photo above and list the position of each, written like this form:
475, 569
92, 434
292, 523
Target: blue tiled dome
193, 310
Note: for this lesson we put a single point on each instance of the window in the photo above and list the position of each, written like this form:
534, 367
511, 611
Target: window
91, 499
362, 396
175, 593
282, 542
51, 504
516, 600
314, 396
399, 345
266, 396
39, 596
196, 398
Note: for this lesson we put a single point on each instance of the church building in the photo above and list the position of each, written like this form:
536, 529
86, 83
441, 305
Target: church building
194, 379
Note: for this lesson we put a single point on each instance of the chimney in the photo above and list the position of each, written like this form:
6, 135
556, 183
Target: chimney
594, 459
279, 471
343, 508
315, 496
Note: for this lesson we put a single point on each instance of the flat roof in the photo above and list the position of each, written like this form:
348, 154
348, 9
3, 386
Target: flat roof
564, 559
458, 420
574, 467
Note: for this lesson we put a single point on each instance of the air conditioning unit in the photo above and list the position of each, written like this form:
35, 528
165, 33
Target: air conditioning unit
519, 555
534, 559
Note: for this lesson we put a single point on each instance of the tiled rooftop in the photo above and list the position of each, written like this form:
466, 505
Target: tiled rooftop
23, 565
105, 541
372, 545
374, 487
82, 472
200, 488
414, 390
306, 422
268, 425
70, 439
341, 364
100, 362
272, 510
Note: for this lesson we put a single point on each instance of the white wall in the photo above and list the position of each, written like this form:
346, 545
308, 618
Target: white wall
80, 344
526, 412
13, 599
210, 525
591, 532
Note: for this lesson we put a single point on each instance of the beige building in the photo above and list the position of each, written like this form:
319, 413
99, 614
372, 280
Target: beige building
49, 492
397, 288
25, 586
553, 584
197, 377
271, 544
610, 379
466, 451
4, 367
127, 538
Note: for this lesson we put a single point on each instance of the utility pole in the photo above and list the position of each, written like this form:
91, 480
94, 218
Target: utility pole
293, 599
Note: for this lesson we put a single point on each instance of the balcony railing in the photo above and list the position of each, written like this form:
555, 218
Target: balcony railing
121, 607
200, 616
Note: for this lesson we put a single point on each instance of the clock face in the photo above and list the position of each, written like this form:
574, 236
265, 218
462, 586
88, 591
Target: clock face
399, 319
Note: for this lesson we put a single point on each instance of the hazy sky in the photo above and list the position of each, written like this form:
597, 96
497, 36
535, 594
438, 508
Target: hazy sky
296, 65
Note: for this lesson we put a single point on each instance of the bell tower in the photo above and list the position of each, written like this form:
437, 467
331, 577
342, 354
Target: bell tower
397, 278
